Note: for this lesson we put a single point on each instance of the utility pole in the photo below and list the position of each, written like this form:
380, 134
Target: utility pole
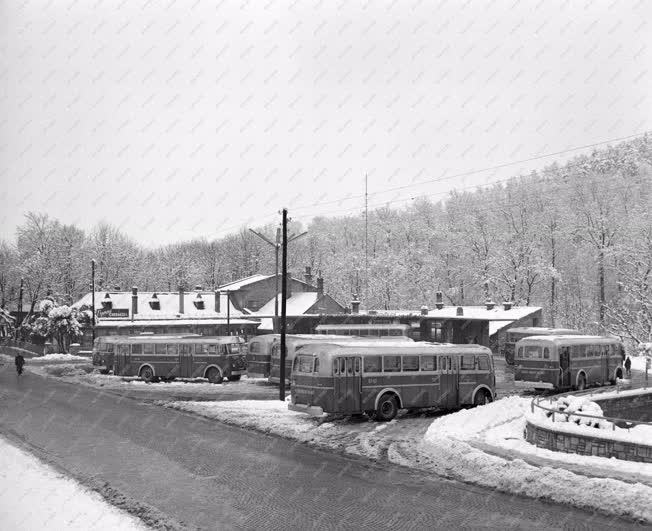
366, 244
93, 300
19, 320
284, 303
228, 313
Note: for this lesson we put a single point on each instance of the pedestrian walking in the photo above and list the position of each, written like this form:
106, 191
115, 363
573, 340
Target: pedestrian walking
19, 361
628, 367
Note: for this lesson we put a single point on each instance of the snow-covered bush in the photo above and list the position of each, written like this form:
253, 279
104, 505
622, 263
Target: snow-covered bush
64, 326
580, 405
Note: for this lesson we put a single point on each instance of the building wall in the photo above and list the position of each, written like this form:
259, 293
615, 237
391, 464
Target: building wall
255, 295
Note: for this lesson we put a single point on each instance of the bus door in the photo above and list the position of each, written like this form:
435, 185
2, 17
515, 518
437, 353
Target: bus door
185, 360
448, 382
604, 363
122, 360
564, 366
348, 385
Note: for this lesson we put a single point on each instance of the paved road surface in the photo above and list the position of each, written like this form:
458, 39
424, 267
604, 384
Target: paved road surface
177, 470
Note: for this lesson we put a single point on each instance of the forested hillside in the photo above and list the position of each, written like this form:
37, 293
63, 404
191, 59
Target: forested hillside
575, 239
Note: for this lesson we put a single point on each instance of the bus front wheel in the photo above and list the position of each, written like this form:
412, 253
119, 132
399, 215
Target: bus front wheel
481, 398
214, 375
387, 408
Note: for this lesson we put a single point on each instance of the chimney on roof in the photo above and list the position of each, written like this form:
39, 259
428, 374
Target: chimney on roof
355, 305
507, 305
181, 298
320, 286
116, 288
439, 300
460, 311
134, 301
154, 302
107, 303
217, 301
424, 310
199, 288
307, 276
490, 304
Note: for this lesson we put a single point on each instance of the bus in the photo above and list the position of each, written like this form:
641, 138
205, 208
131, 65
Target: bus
385, 331
567, 362
380, 378
517, 333
259, 354
166, 357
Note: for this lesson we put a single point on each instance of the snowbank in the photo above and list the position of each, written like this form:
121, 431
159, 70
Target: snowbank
35, 496
60, 357
449, 446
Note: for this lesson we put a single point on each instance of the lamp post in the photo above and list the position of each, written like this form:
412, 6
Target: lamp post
93, 300
277, 246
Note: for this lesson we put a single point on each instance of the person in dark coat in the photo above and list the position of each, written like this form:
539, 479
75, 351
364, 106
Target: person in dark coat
19, 361
628, 367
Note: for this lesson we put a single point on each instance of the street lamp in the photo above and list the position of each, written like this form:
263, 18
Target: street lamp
277, 246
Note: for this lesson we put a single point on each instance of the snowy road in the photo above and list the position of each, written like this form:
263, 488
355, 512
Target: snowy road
176, 470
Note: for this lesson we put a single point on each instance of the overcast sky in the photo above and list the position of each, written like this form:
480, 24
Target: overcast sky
176, 119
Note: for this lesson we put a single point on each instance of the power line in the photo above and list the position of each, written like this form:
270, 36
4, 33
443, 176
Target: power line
473, 172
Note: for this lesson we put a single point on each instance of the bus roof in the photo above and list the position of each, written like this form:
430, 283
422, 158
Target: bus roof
362, 326
186, 338
542, 331
343, 348
570, 339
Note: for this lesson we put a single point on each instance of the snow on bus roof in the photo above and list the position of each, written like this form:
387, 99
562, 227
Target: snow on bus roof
571, 338
149, 323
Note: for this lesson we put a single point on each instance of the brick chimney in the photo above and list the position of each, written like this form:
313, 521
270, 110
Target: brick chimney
490, 304
355, 304
460, 311
424, 310
134, 301
507, 305
181, 299
320, 286
217, 301
307, 276
439, 300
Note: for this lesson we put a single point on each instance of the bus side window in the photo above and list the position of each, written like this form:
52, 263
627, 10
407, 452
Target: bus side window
356, 369
392, 363
124, 349
546, 353
173, 350
372, 364
443, 363
483, 363
336, 366
467, 363
136, 349
316, 364
520, 353
411, 363
428, 363
254, 347
342, 365
159, 348
148, 348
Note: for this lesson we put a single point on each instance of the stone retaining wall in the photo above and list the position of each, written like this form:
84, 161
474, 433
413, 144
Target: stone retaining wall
586, 445
616, 406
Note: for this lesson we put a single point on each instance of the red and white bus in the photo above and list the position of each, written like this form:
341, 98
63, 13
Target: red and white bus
567, 362
380, 378
513, 335
165, 357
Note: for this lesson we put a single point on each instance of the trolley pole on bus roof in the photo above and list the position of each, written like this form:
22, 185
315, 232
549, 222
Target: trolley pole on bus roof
284, 276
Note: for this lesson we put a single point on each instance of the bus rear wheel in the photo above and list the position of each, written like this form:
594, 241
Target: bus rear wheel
146, 374
387, 408
214, 375
581, 383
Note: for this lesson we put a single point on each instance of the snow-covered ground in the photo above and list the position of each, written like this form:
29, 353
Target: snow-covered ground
460, 445
33, 496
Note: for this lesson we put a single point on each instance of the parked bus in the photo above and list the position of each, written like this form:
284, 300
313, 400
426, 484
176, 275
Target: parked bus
567, 362
379, 379
153, 357
259, 354
516, 334
384, 331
